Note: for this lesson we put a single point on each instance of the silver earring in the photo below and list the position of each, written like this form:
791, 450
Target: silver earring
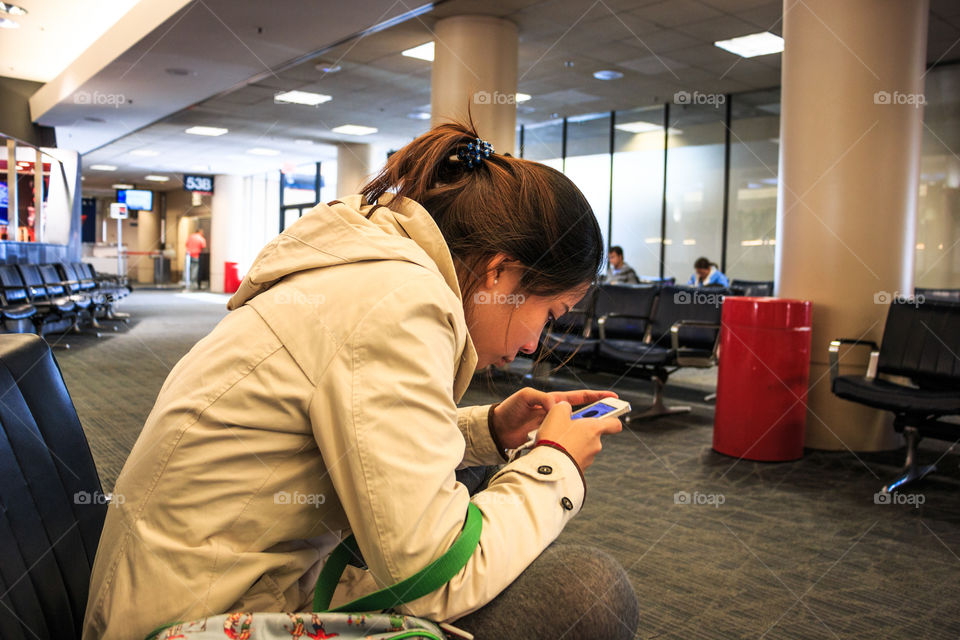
496, 280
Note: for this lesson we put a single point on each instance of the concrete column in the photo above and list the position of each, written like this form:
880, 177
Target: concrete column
849, 174
148, 239
227, 209
353, 167
475, 68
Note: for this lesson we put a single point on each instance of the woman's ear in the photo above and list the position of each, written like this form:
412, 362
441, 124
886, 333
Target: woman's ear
494, 269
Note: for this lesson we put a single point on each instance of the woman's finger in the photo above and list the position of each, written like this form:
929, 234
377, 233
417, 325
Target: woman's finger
581, 396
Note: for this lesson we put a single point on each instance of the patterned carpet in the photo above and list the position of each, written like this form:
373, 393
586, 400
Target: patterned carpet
772, 550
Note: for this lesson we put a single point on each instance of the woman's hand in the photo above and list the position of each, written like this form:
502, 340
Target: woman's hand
581, 438
523, 412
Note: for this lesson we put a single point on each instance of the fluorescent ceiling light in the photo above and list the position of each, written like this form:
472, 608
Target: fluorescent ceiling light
755, 44
146, 153
262, 151
7, 23
645, 127
354, 130
523, 97
12, 9
103, 167
422, 52
607, 74
206, 131
301, 97
419, 115
153, 178
123, 186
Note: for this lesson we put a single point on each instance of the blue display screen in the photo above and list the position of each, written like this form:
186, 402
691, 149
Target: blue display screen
593, 411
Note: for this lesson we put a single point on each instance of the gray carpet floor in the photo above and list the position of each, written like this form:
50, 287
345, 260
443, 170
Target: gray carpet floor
795, 550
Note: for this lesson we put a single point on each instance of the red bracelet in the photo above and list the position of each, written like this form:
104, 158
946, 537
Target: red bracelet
551, 443
560, 447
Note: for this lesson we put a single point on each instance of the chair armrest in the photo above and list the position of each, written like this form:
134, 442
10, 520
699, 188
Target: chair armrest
834, 351
675, 337
602, 321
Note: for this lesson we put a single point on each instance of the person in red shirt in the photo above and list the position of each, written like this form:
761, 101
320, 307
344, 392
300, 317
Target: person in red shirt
195, 244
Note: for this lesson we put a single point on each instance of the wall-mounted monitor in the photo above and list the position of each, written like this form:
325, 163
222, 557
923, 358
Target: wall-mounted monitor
4, 203
136, 199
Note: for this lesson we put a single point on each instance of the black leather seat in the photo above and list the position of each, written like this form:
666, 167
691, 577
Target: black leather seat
16, 310
684, 331
921, 341
55, 313
572, 335
756, 288
52, 502
58, 287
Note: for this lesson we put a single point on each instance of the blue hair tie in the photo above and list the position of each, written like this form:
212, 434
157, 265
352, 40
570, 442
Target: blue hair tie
474, 153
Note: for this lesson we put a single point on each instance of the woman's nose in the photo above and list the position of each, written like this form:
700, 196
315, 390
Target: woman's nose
529, 348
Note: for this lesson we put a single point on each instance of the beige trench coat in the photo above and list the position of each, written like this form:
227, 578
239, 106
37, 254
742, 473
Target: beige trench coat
323, 404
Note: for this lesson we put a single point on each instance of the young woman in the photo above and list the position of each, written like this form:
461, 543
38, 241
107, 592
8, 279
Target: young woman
707, 274
325, 402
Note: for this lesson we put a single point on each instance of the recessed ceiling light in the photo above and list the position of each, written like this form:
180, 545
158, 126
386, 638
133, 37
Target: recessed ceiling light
354, 130
7, 23
301, 97
145, 153
328, 67
419, 115
755, 44
523, 97
12, 9
206, 131
607, 74
153, 178
123, 186
303, 142
103, 167
422, 52
263, 151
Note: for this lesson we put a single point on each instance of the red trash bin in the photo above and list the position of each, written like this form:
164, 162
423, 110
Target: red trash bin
762, 382
231, 277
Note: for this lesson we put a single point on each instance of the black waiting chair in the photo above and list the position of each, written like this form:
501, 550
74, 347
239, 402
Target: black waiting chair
921, 342
52, 506
949, 295
684, 331
55, 313
752, 288
573, 335
16, 311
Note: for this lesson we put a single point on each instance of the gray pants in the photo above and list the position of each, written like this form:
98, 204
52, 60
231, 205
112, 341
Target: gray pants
570, 592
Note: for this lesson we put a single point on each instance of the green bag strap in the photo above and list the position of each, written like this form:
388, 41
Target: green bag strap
432, 577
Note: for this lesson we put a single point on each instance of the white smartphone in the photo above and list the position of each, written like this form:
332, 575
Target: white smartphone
606, 408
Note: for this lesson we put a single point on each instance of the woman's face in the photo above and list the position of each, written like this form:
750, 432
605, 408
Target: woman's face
503, 322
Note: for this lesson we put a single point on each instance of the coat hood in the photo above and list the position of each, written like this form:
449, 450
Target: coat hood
346, 231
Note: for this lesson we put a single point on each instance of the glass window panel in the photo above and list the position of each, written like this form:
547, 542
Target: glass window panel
588, 163
754, 150
938, 213
695, 160
543, 142
299, 185
638, 187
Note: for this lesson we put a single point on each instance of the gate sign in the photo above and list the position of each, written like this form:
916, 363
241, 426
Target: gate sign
198, 183
119, 210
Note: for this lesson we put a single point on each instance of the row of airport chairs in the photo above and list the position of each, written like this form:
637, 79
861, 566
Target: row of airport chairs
57, 298
645, 331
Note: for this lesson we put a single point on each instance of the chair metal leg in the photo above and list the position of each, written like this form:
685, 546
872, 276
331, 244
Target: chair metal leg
710, 398
658, 408
911, 470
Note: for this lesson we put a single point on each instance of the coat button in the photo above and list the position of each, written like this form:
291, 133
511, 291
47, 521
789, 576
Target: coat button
545, 469
567, 504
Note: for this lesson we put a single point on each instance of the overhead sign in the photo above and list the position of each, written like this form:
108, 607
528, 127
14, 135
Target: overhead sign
119, 210
198, 183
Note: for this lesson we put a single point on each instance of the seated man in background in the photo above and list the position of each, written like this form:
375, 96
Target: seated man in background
618, 271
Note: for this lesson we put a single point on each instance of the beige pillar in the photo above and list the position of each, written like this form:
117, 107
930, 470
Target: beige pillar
849, 175
148, 239
353, 167
475, 68
226, 226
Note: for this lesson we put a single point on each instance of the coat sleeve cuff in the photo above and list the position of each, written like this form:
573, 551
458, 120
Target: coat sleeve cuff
555, 466
474, 426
